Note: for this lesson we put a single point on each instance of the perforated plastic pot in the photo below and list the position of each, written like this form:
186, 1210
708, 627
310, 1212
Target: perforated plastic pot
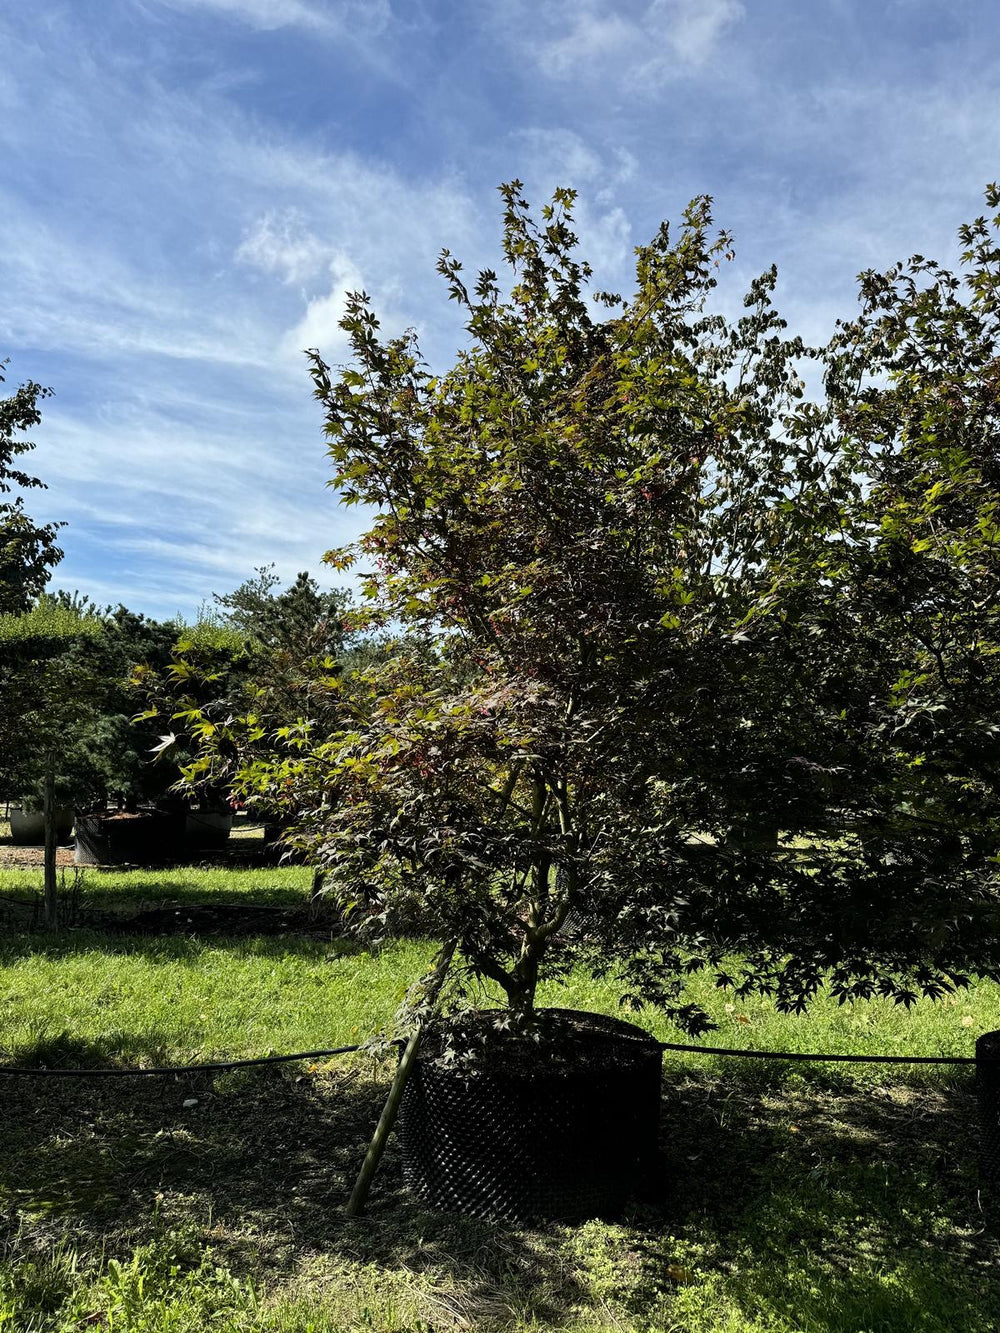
142, 839
273, 835
538, 1133
988, 1095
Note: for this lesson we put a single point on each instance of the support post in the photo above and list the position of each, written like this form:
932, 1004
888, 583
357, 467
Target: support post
431, 989
359, 1195
50, 888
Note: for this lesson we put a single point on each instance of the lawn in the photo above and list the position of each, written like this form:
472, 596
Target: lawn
128, 891
796, 1198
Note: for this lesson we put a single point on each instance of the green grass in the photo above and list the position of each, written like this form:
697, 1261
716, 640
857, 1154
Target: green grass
126, 891
792, 1206
173, 999
167, 998
798, 1198
878, 1027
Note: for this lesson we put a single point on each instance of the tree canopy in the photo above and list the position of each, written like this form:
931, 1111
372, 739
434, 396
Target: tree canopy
696, 672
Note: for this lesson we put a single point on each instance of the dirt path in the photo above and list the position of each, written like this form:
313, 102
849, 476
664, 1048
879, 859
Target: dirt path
13, 857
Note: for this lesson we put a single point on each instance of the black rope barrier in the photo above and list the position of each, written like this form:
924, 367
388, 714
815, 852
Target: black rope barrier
217, 1066
818, 1056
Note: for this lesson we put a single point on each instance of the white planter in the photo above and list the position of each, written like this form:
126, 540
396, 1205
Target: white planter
28, 829
208, 828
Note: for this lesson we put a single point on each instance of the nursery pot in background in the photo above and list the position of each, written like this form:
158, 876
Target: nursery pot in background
145, 838
564, 1128
274, 832
208, 828
27, 828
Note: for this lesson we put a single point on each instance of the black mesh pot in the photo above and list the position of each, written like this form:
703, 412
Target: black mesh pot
143, 839
988, 1095
275, 849
547, 1134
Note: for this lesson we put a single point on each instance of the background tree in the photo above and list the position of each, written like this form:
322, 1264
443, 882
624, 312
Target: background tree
66, 709
301, 620
119, 748
27, 551
286, 650
54, 686
914, 385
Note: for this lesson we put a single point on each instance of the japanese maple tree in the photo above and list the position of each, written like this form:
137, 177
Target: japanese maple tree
638, 587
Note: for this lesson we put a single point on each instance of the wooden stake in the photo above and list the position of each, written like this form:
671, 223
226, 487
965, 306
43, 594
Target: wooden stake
51, 896
359, 1195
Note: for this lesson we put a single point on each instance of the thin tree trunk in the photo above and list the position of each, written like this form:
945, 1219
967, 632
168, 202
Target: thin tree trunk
49, 880
316, 890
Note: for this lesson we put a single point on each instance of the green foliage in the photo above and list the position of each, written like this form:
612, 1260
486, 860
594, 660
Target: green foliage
48, 618
587, 517
68, 666
27, 552
686, 665
237, 683
52, 667
300, 620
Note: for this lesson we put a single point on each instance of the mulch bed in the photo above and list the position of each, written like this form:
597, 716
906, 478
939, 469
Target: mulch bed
13, 857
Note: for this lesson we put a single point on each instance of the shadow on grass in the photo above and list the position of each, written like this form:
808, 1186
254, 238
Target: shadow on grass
807, 1201
188, 886
166, 907
173, 946
836, 1206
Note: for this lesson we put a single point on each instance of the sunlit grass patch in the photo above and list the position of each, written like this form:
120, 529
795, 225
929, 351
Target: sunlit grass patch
154, 1000
120, 890
946, 1027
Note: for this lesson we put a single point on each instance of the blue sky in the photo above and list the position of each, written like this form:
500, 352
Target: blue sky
187, 187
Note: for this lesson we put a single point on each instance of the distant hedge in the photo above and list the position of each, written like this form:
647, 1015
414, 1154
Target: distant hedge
49, 619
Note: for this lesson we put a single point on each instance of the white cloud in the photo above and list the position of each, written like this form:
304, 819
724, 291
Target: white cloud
350, 16
560, 157
181, 220
319, 326
117, 282
183, 509
281, 243
643, 43
590, 37
691, 28
69, 290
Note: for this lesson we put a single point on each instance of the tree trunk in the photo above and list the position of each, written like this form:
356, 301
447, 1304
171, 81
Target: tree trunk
51, 898
316, 890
